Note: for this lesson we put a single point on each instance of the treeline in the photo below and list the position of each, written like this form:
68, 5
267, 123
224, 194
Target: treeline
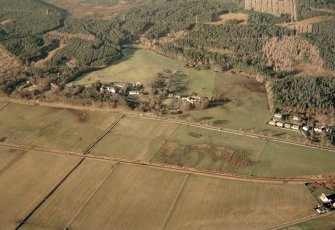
85, 53
312, 94
323, 37
311, 8
162, 17
243, 43
27, 22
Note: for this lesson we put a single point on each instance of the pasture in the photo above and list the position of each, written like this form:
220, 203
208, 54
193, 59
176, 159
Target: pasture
210, 150
46, 127
141, 65
242, 100
244, 106
135, 139
27, 181
138, 197
185, 146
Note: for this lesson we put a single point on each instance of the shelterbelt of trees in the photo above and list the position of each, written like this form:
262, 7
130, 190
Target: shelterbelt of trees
29, 38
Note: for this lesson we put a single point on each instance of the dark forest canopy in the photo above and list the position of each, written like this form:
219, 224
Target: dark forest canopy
97, 42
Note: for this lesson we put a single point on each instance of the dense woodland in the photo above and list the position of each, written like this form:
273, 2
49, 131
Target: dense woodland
232, 45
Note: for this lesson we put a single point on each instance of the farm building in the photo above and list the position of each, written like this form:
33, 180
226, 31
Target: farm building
272, 122
134, 92
324, 198
280, 124
295, 127
296, 118
288, 126
278, 116
191, 99
137, 85
107, 88
122, 85
305, 128
318, 129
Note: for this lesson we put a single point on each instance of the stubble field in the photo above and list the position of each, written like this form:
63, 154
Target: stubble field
25, 181
53, 128
138, 197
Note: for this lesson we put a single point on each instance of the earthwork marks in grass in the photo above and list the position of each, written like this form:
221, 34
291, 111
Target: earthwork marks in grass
211, 150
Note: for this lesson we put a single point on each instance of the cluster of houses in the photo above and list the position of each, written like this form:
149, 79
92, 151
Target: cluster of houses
127, 88
327, 206
296, 123
278, 118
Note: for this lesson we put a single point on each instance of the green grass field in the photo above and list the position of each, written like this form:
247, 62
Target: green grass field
140, 65
26, 182
167, 143
207, 151
246, 108
51, 127
323, 223
138, 197
135, 139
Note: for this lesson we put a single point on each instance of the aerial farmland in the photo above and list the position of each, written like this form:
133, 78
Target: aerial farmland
167, 114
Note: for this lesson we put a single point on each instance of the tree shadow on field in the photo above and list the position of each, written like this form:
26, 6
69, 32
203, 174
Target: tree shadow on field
279, 134
219, 102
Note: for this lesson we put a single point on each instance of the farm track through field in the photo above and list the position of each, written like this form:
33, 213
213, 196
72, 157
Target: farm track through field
49, 194
92, 195
297, 221
3, 107
12, 162
99, 138
175, 202
216, 174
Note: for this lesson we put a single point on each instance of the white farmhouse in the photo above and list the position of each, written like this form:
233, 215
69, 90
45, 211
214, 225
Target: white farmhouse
134, 92
295, 127
305, 128
280, 124
324, 198
278, 116
288, 126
